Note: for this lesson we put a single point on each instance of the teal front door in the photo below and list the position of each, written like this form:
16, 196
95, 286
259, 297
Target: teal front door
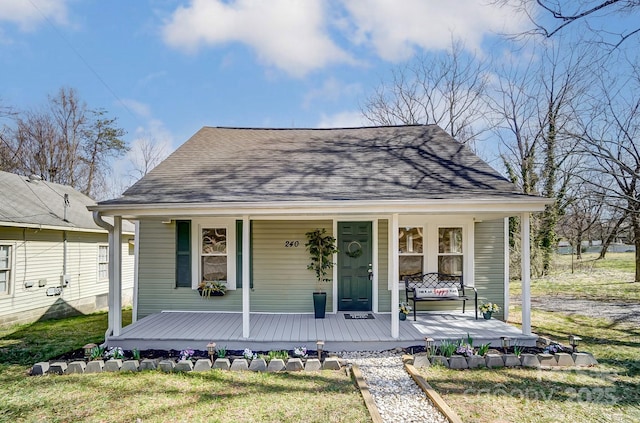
354, 266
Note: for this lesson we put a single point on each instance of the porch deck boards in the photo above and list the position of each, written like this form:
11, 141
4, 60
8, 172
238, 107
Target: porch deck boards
179, 330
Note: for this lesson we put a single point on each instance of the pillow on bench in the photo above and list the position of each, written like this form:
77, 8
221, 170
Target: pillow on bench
443, 292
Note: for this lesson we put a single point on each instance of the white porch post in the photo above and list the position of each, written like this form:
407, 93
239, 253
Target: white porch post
506, 269
115, 262
393, 257
136, 255
526, 274
246, 277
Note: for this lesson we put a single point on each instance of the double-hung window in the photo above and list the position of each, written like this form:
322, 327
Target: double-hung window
103, 262
411, 252
5, 268
213, 254
450, 256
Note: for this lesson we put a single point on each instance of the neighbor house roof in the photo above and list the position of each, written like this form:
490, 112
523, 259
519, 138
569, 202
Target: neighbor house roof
32, 202
227, 165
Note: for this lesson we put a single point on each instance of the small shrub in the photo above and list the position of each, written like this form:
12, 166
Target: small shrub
517, 350
248, 354
221, 352
96, 353
114, 352
136, 354
186, 354
447, 348
483, 349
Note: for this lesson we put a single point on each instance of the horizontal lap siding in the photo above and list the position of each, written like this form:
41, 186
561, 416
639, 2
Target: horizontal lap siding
384, 294
39, 254
489, 264
281, 281
156, 276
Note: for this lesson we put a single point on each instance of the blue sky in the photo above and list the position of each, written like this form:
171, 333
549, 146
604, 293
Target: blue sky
165, 68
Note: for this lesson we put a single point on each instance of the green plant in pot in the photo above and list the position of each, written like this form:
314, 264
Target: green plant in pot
321, 247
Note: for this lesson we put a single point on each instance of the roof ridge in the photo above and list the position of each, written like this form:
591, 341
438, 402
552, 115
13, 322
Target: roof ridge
417, 125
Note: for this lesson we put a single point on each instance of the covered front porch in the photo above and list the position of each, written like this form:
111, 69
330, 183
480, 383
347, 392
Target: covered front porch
179, 330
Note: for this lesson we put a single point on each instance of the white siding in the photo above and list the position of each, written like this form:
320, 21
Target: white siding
39, 256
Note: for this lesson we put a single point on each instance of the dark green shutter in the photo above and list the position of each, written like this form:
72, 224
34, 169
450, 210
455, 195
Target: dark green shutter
183, 253
239, 255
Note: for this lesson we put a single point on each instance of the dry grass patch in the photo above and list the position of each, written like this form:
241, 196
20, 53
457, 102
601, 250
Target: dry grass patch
611, 279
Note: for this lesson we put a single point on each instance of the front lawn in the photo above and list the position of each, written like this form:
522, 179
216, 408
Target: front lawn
152, 396
611, 279
609, 392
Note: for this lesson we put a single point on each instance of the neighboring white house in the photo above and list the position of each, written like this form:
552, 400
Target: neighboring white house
233, 205
54, 259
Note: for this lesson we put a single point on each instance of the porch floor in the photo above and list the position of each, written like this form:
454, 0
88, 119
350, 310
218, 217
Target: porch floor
180, 330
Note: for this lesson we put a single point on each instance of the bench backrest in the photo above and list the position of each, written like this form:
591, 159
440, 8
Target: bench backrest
434, 280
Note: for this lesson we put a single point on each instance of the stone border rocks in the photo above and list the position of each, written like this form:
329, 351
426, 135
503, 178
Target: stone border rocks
172, 365
494, 360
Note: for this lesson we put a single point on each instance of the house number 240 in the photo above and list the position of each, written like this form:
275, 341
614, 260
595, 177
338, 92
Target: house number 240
291, 244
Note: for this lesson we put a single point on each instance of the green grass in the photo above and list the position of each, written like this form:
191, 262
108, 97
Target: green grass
153, 396
610, 279
609, 392
28, 344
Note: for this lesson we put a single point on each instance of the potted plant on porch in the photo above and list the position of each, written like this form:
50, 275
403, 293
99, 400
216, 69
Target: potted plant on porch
321, 247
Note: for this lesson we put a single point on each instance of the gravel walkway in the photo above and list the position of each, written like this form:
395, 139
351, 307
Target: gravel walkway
396, 395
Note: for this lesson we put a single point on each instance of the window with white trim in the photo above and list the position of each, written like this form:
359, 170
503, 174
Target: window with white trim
103, 262
411, 251
213, 254
5, 268
450, 256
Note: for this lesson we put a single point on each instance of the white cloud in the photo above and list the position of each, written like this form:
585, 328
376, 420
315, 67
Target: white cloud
346, 119
395, 29
287, 34
136, 107
331, 90
29, 14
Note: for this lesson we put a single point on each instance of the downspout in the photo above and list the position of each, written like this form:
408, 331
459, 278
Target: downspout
97, 218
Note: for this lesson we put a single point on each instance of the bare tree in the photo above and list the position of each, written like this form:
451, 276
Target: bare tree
551, 17
447, 89
610, 137
65, 143
582, 215
534, 107
146, 153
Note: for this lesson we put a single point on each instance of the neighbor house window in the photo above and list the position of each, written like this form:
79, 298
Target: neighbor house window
450, 251
103, 262
5, 268
183, 253
411, 253
214, 254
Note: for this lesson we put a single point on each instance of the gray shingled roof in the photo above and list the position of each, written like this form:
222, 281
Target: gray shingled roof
374, 163
40, 203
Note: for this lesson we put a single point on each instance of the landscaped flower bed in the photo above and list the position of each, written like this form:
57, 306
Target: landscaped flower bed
115, 359
463, 355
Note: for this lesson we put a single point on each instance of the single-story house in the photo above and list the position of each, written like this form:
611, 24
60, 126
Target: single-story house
233, 205
54, 259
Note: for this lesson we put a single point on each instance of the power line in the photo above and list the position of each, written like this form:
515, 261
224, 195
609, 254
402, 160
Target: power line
84, 61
